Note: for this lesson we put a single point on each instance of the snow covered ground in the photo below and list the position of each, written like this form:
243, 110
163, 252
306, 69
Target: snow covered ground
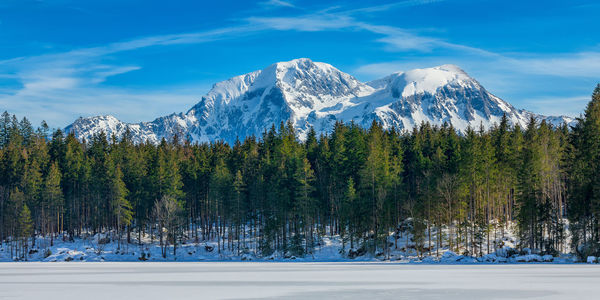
91, 250
503, 249
270, 280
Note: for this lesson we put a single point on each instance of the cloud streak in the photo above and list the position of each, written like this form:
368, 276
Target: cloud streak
277, 3
57, 86
579, 64
396, 39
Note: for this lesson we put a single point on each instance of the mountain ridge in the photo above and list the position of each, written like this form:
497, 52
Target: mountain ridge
315, 94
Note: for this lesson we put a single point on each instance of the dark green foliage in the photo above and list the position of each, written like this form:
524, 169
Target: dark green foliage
584, 180
288, 195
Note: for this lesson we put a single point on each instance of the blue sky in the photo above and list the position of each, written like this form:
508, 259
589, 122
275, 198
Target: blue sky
140, 59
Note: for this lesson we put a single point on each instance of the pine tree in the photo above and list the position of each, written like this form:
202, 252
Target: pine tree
26, 131
530, 187
4, 129
168, 175
117, 192
349, 213
304, 209
53, 201
285, 194
25, 228
239, 190
32, 183
375, 181
584, 195
74, 181
220, 188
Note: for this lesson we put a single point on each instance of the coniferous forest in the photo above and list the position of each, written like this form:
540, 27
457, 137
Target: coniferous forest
284, 194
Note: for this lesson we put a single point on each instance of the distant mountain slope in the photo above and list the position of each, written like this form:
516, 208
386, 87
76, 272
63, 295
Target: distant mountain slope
316, 94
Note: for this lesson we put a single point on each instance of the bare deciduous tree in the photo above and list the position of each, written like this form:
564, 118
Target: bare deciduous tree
167, 212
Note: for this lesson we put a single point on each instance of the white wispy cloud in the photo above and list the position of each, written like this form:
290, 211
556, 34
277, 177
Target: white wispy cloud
578, 64
57, 86
320, 22
336, 19
556, 106
277, 3
64, 101
397, 39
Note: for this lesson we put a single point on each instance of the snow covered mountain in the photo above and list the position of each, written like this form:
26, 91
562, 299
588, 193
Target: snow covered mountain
316, 94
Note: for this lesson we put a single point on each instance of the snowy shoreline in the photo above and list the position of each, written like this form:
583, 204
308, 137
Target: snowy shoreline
86, 250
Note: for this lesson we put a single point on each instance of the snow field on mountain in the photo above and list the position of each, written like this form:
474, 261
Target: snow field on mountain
314, 94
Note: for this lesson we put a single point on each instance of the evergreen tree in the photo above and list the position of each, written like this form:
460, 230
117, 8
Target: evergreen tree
584, 195
121, 208
281, 196
375, 181
25, 228
53, 201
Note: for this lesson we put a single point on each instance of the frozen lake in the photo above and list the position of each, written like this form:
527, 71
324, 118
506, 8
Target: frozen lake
235, 280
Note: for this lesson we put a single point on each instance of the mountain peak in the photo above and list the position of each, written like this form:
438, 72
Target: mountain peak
315, 94
426, 80
429, 80
298, 71
302, 62
450, 68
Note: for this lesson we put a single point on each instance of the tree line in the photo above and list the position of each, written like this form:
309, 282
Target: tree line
277, 194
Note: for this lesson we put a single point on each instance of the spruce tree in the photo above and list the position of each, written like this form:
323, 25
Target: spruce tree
584, 193
117, 193
25, 228
53, 201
